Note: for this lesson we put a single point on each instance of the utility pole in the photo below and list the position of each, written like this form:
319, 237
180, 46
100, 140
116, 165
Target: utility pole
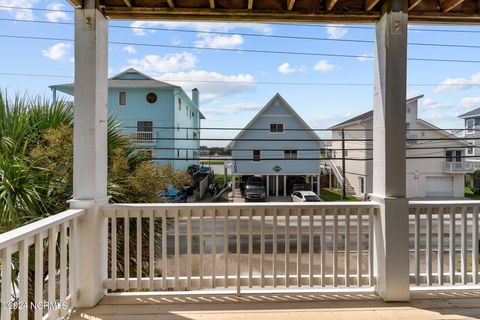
344, 189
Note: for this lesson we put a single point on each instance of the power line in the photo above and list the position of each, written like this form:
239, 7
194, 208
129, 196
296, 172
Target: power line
335, 55
279, 36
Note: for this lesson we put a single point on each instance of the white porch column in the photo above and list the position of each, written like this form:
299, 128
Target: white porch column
90, 150
233, 185
276, 185
285, 185
311, 183
389, 186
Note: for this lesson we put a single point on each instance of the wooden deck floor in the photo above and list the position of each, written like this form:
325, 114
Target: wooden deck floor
298, 306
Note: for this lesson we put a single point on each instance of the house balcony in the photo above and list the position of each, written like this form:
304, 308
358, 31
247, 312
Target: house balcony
143, 137
459, 167
237, 252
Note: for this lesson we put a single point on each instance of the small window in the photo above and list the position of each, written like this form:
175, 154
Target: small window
256, 155
151, 97
276, 127
454, 156
178, 153
144, 126
361, 183
408, 125
470, 125
179, 104
122, 98
408, 110
290, 154
470, 151
346, 153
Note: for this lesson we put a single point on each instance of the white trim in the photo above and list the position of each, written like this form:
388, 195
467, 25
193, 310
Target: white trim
472, 142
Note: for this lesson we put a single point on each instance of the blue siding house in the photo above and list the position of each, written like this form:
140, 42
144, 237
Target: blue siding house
159, 117
276, 144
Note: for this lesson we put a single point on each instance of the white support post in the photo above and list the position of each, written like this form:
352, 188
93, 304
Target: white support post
318, 185
233, 185
311, 183
389, 182
268, 186
285, 185
276, 186
90, 150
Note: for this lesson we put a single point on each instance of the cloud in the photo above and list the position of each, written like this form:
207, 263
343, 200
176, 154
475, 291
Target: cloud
57, 15
140, 28
129, 49
233, 108
459, 83
58, 51
472, 102
286, 68
161, 64
20, 14
336, 31
212, 85
365, 58
323, 66
430, 104
218, 41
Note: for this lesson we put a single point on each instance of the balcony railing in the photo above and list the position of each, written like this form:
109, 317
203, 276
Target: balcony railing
459, 167
58, 231
444, 242
143, 137
180, 247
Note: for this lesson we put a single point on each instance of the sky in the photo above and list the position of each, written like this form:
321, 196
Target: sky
225, 104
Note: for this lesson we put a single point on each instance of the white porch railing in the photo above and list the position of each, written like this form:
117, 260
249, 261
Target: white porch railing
459, 167
28, 243
143, 137
198, 246
444, 242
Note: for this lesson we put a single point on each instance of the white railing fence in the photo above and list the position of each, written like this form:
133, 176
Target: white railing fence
463, 166
444, 242
199, 246
143, 136
50, 245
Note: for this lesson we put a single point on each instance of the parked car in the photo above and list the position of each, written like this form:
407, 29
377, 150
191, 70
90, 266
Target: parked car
305, 196
255, 189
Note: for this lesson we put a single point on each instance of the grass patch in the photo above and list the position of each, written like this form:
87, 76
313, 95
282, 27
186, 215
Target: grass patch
206, 163
469, 194
335, 195
219, 179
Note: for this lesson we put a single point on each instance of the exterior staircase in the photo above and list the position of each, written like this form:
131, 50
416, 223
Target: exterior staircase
338, 175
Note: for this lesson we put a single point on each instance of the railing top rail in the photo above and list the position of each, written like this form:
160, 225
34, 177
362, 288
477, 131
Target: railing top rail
29, 230
444, 203
240, 205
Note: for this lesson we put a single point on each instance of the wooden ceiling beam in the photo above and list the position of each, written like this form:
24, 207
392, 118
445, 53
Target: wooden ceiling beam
128, 3
370, 4
447, 5
331, 4
212, 4
250, 4
170, 4
290, 4
76, 3
413, 3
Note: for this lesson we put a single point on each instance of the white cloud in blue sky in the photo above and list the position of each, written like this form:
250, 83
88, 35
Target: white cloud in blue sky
338, 31
218, 41
21, 14
454, 84
155, 64
129, 50
57, 15
323, 66
58, 51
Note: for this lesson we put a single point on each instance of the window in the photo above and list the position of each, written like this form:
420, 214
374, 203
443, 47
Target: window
361, 183
408, 125
151, 97
470, 151
408, 110
276, 127
179, 104
178, 153
290, 154
144, 126
256, 155
346, 153
454, 155
122, 98
470, 125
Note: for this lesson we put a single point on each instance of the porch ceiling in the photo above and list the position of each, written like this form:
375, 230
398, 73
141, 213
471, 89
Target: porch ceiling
365, 11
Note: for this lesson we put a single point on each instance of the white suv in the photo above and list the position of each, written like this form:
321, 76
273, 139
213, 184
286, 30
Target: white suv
304, 196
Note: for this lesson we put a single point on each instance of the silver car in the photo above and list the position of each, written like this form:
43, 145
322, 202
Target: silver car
305, 196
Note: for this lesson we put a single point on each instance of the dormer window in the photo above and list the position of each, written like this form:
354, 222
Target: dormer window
179, 104
470, 125
122, 98
276, 127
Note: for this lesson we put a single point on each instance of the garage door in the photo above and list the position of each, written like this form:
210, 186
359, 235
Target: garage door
439, 187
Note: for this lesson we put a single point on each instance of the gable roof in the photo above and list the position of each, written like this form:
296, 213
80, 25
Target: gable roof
443, 132
264, 109
365, 116
470, 114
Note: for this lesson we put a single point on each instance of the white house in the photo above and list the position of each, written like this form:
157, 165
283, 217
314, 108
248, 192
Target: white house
277, 144
435, 168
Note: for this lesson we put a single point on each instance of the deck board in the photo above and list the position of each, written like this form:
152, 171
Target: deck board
424, 305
